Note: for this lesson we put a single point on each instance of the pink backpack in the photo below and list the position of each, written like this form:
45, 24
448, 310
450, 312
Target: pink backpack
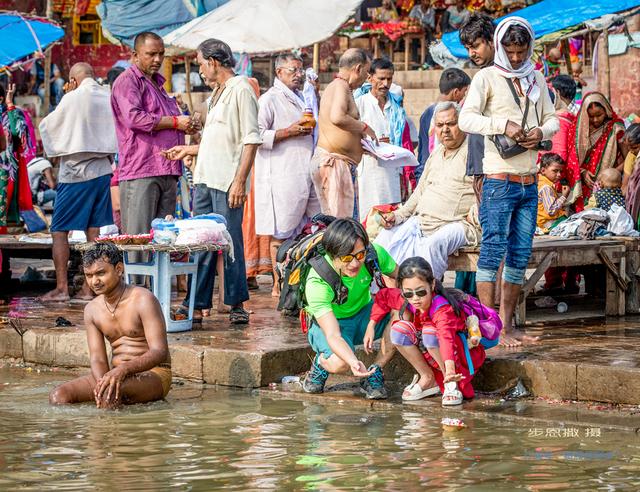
490, 322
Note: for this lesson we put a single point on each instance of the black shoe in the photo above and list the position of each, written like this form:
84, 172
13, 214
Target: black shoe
315, 379
373, 386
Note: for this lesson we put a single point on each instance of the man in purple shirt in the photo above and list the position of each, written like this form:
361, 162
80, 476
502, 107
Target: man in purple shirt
147, 122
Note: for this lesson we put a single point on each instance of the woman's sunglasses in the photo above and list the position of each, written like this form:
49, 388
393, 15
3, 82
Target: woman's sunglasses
358, 256
408, 294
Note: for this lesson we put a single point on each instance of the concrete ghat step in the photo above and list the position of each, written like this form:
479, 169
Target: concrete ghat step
254, 368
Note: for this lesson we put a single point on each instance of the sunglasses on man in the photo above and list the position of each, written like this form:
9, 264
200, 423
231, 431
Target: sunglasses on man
358, 256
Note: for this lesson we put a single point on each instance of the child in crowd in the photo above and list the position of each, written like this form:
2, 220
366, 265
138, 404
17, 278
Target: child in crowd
632, 142
609, 192
576, 69
551, 203
437, 312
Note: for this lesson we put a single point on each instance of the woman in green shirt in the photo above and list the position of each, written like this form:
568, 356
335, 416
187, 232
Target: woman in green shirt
337, 328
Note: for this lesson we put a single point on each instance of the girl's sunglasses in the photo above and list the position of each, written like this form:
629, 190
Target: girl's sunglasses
358, 256
408, 294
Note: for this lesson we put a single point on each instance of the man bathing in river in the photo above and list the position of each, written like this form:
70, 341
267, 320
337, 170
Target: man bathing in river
130, 319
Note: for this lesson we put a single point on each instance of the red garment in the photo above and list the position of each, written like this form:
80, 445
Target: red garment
560, 140
384, 302
584, 156
448, 325
408, 179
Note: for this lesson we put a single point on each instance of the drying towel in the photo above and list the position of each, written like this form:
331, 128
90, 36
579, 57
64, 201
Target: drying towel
82, 122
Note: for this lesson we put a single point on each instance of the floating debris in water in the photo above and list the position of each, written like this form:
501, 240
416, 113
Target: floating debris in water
518, 391
449, 424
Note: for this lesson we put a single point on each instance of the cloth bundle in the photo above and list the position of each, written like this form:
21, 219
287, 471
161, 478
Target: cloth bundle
596, 222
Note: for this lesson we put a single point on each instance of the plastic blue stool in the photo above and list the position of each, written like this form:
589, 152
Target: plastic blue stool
160, 268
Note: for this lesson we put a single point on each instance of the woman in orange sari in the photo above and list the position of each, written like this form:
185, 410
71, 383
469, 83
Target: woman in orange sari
595, 144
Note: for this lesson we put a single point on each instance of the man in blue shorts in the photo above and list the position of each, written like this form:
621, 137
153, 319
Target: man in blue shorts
337, 328
81, 132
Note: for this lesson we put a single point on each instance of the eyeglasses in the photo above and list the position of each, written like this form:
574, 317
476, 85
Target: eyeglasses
408, 294
358, 256
293, 70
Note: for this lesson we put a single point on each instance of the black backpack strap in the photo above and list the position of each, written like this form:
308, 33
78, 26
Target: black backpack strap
373, 266
330, 276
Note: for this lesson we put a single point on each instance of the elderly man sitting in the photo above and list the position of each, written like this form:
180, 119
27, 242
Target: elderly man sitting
438, 218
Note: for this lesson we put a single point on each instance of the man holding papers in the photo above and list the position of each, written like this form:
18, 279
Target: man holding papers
439, 217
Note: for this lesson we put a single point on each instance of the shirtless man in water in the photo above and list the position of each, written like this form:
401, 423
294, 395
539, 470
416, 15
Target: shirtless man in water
333, 166
130, 319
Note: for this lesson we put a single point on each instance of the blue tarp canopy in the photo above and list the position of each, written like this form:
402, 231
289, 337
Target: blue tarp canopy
551, 16
123, 19
21, 37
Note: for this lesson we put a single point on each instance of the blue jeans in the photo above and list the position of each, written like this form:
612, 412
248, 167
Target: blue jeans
508, 214
207, 200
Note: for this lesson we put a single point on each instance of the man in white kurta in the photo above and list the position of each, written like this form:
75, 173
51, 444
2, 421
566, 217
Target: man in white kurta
379, 185
437, 219
284, 194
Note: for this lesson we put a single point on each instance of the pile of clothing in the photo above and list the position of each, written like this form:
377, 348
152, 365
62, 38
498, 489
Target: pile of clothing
596, 222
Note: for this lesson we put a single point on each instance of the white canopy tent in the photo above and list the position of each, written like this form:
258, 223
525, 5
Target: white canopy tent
264, 26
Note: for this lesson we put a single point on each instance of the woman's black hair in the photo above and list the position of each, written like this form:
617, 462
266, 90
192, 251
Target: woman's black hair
565, 86
342, 235
477, 26
517, 35
551, 158
218, 50
632, 134
419, 267
106, 251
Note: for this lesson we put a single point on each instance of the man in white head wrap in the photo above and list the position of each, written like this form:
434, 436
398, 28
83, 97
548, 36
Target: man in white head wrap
508, 99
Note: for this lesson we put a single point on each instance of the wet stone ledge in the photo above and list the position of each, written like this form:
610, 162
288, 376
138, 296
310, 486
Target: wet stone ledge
566, 379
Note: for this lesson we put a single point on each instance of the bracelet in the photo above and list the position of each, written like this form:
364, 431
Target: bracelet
364, 128
175, 122
10, 107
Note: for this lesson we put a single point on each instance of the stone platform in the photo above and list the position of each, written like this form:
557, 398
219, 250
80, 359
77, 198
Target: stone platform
598, 361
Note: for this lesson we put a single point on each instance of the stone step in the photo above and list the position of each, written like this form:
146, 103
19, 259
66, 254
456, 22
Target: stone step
552, 372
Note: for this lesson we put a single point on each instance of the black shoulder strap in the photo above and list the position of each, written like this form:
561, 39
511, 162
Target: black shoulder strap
516, 98
327, 273
372, 265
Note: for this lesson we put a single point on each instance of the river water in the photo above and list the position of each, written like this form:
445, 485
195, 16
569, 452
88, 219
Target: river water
214, 439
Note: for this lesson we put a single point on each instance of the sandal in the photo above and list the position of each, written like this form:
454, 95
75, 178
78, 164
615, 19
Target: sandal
415, 392
238, 316
182, 313
452, 396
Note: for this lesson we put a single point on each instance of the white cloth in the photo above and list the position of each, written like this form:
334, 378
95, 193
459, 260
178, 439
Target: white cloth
284, 193
35, 169
230, 125
311, 99
525, 73
377, 185
81, 123
406, 240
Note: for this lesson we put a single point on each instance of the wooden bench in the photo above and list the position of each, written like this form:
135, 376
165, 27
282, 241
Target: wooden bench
554, 252
39, 247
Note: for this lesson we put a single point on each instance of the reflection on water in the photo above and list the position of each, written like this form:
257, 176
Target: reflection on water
212, 439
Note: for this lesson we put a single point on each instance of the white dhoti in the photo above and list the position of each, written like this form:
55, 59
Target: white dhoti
407, 240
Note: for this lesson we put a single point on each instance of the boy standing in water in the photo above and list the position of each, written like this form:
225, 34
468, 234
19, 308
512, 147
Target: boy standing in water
130, 319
